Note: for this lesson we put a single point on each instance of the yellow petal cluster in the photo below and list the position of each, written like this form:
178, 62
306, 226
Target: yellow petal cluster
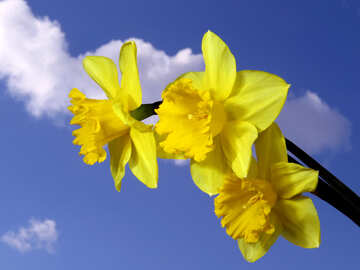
213, 117
108, 122
267, 203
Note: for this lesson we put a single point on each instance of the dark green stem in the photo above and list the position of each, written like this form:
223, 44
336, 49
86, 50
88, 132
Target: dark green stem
145, 110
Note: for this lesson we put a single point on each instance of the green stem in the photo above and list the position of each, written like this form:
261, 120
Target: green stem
145, 110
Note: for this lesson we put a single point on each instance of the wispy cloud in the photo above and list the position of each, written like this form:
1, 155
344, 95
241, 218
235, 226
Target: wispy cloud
38, 235
314, 125
38, 69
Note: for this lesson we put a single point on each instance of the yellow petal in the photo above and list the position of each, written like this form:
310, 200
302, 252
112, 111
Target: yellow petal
270, 149
143, 162
300, 221
197, 78
257, 97
209, 174
104, 72
130, 81
253, 170
237, 139
120, 152
290, 179
119, 108
254, 251
220, 66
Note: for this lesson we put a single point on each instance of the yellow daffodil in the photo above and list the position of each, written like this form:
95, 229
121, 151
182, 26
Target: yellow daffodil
268, 202
109, 121
213, 117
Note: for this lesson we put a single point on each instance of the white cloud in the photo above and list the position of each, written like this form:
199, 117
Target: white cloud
313, 125
39, 70
38, 235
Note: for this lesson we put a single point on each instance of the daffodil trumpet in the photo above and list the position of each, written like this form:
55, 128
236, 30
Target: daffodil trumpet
337, 195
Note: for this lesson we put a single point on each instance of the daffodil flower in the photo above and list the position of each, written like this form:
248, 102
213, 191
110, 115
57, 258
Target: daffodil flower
109, 121
213, 117
268, 202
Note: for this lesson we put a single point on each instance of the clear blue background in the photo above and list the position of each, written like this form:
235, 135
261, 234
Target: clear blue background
312, 44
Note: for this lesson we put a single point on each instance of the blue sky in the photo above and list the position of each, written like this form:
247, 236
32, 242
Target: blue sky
71, 215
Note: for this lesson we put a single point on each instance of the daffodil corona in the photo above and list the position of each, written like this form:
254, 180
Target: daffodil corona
99, 125
256, 209
213, 117
108, 122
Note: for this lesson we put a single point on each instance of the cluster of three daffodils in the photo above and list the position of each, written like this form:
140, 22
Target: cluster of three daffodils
212, 117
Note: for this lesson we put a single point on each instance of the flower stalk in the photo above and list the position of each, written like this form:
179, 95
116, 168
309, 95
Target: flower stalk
145, 110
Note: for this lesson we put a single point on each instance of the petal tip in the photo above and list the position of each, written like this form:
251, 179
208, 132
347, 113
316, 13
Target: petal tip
152, 185
129, 43
87, 60
118, 187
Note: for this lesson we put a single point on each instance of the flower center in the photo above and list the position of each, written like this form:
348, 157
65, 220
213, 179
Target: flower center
245, 206
99, 125
189, 119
